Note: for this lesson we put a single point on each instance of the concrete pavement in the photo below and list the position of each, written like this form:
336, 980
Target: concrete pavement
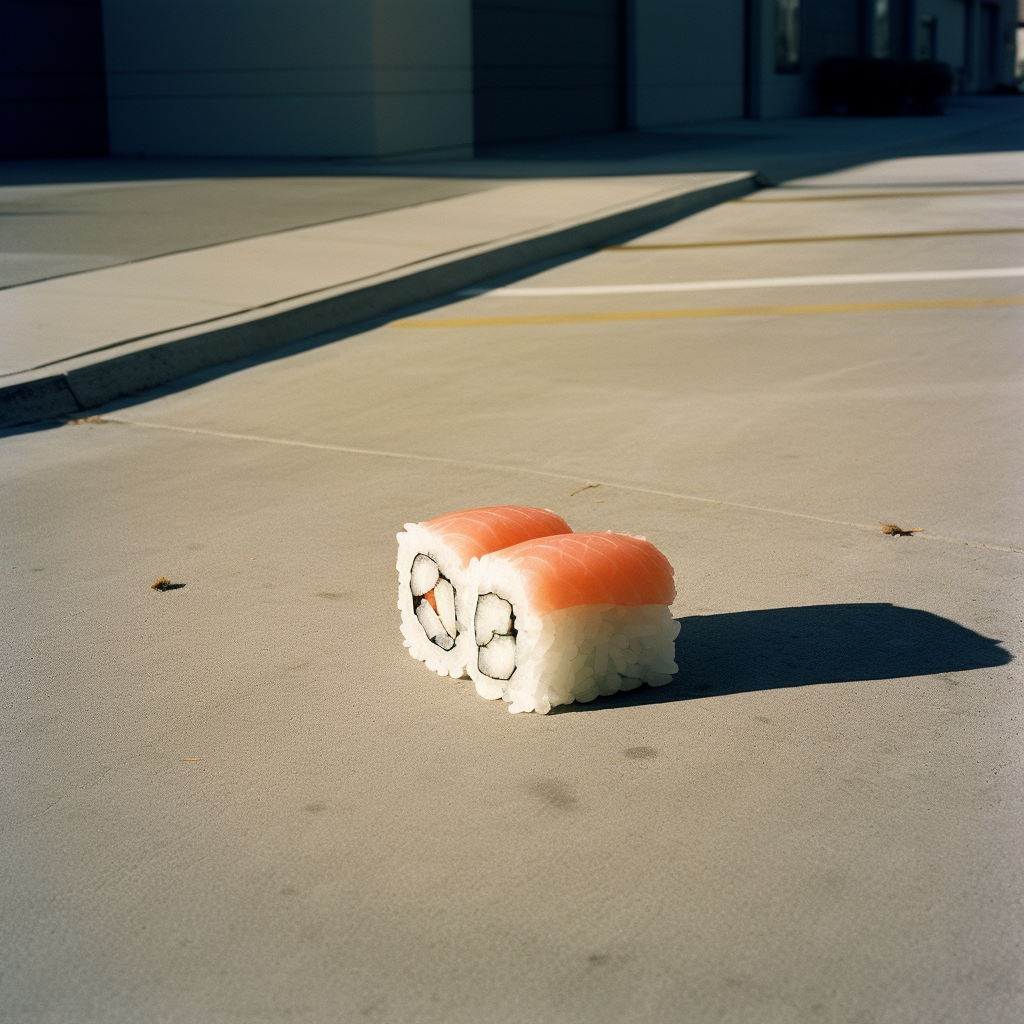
122, 275
52, 229
242, 799
115, 305
76, 340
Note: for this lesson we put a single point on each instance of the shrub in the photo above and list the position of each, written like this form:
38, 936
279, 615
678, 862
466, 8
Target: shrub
876, 86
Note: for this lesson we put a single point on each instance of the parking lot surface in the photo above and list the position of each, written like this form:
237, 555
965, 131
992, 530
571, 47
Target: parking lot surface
242, 800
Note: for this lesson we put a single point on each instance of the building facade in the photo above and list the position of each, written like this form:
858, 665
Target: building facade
438, 78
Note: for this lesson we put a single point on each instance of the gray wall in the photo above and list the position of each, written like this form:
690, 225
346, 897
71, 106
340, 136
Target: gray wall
777, 94
422, 77
396, 78
289, 77
689, 61
544, 68
950, 22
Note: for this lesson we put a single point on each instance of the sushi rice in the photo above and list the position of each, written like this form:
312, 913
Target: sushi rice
433, 557
432, 631
535, 657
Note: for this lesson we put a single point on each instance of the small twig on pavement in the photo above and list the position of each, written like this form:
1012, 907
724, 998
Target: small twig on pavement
896, 531
165, 584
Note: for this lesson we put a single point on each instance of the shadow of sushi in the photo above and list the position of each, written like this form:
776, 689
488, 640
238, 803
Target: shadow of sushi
741, 652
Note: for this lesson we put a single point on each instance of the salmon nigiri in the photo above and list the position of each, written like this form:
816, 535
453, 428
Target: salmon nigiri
569, 617
432, 561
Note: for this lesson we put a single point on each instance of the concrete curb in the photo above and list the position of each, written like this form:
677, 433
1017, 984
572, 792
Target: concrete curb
88, 381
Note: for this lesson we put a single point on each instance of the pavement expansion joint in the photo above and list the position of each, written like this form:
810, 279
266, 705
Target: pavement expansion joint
475, 464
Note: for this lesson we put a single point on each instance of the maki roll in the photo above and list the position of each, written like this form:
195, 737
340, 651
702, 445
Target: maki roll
571, 617
432, 561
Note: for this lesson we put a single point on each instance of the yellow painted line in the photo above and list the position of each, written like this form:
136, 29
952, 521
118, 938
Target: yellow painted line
883, 195
817, 238
700, 314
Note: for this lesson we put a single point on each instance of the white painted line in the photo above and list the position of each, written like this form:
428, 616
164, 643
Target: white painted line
752, 282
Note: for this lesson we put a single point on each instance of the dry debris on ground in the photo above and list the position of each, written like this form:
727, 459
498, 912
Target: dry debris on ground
165, 584
897, 531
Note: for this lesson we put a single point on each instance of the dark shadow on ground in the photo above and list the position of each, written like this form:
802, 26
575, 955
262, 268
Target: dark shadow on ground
615, 146
833, 141
741, 652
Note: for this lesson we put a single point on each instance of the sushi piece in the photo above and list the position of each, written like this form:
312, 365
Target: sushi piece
432, 561
571, 617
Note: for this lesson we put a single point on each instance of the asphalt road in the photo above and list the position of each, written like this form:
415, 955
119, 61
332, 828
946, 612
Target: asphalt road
242, 800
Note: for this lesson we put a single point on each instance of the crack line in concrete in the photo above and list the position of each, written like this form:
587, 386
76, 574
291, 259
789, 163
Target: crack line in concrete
540, 472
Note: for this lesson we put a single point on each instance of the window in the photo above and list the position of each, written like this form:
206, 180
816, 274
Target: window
928, 39
787, 36
880, 29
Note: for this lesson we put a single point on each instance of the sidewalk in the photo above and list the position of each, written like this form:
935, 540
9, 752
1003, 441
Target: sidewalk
79, 340
129, 274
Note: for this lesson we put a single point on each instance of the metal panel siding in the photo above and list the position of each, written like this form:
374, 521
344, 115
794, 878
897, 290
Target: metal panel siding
546, 68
